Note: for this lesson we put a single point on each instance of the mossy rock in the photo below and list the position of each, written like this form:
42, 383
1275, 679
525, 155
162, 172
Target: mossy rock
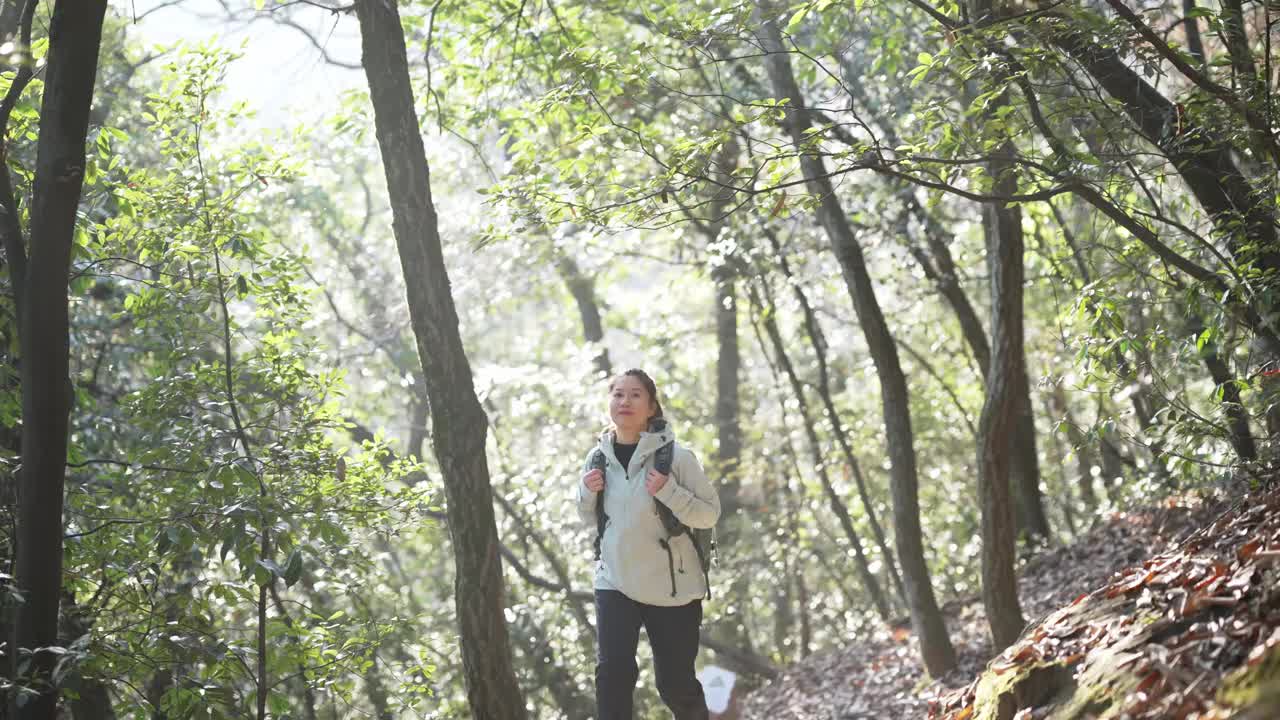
999, 696
1092, 688
1101, 687
1254, 689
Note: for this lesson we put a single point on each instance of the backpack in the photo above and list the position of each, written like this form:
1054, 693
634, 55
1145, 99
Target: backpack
704, 543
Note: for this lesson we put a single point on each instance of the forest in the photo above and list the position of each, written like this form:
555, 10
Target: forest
968, 308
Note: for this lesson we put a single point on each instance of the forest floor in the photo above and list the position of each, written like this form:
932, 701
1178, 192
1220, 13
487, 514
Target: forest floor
1155, 608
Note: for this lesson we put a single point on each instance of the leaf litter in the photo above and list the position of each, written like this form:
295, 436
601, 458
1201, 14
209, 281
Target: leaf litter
1183, 624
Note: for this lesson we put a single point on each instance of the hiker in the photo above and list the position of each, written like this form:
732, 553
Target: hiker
647, 573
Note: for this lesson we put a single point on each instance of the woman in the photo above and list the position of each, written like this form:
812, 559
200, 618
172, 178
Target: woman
644, 576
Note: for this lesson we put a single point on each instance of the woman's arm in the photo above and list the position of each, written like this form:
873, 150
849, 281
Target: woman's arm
690, 495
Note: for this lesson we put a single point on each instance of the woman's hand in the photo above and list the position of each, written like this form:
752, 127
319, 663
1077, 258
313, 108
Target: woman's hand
593, 480
654, 481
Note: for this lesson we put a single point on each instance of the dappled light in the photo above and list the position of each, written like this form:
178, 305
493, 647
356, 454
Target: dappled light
530, 360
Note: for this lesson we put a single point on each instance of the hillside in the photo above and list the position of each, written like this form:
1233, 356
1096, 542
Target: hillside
1161, 612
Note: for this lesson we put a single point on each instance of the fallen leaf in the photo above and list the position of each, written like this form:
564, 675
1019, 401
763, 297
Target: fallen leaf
1248, 549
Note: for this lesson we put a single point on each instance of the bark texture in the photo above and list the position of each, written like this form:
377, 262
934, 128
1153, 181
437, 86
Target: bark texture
1001, 410
459, 423
75, 33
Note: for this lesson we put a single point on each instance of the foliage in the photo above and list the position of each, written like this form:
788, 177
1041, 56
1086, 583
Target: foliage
209, 473
250, 416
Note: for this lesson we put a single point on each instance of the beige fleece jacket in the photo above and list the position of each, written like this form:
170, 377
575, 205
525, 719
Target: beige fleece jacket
632, 561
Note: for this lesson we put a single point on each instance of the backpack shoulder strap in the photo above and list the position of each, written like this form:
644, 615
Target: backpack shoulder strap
599, 462
664, 458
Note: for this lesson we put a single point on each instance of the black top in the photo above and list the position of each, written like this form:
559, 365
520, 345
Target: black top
624, 452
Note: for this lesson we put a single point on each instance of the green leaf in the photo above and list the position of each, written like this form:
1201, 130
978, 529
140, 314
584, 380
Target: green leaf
797, 18
279, 703
228, 544
1204, 339
293, 569
265, 572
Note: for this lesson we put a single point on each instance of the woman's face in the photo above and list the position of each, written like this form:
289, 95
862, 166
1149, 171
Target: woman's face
630, 405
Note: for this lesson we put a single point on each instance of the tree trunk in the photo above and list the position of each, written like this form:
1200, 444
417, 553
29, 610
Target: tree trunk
15, 27
1084, 453
997, 428
583, 290
802, 601
1238, 47
1031, 521
1232, 406
93, 700
161, 682
1061, 494
458, 421
1204, 162
729, 450
376, 691
9, 13
784, 615
869, 582
75, 32
728, 363
940, 268
818, 340
728, 360
1237, 417
1112, 460
935, 647
1191, 27
789, 506
724, 271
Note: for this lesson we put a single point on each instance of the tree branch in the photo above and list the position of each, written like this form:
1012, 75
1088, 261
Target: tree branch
1256, 121
10, 226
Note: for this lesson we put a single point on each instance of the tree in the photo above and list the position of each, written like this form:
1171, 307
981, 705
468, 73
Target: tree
39, 280
583, 290
926, 618
940, 268
1001, 411
767, 312
459, 423
1006, 396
